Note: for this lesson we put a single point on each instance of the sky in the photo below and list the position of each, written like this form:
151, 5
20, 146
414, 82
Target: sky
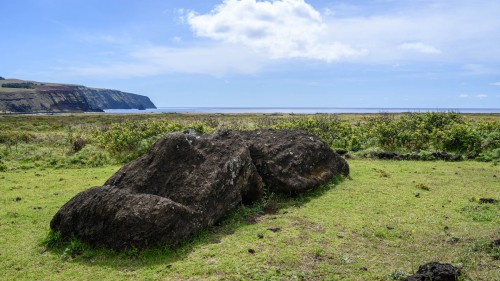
248, 53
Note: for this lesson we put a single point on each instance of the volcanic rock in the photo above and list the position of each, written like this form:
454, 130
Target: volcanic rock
189, 182
292, 161
435, 271
488, 201
185, 184
108, 216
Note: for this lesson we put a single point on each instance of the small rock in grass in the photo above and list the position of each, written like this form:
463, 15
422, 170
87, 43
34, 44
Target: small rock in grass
488, 201
363, 268
260, 235
276, 229
495, 244
341, 235
18, 199
251, 251
434, 271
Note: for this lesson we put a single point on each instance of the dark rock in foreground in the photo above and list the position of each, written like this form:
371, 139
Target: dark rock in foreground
435, 271
185, 184
189, 182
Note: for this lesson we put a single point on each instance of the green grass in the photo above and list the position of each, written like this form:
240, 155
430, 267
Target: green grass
374, 220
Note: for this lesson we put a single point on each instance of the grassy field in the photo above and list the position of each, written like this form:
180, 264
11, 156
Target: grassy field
390, 217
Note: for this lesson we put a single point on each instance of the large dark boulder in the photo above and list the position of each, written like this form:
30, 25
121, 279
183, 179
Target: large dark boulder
435, 271
188, 182
185, 184
292, 161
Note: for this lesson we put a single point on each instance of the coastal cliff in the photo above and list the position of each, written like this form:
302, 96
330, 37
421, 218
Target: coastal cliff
19, 96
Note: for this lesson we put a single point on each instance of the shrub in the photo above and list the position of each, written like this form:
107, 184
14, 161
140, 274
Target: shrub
12, 137
3, 167
90, 156
129, 139
490, 156
26, 85
461, 138
331, 129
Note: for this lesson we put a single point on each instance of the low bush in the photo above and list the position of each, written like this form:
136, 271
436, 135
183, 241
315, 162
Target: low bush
3, 167
89, 156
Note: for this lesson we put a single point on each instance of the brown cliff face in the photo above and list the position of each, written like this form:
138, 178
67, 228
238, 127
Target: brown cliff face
18, 96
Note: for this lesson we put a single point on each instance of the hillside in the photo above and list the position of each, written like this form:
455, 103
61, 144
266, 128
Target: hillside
19, 96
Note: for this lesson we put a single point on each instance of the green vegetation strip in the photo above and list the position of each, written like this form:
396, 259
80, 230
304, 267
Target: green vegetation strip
390, 217
93, 140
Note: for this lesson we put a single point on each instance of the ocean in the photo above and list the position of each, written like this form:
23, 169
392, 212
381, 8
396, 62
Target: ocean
297, 110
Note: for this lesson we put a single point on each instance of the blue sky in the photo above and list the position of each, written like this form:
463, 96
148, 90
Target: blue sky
378, 53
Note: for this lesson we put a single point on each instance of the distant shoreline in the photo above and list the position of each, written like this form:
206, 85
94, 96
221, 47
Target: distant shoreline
270, 110
299, 110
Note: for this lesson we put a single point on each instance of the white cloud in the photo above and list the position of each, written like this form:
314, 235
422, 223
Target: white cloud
460, 31
463, 96
279, 29
481, 96
495, 84
420, 47
252, 36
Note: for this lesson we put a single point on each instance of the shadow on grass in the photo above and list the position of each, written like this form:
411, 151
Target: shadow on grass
132, 258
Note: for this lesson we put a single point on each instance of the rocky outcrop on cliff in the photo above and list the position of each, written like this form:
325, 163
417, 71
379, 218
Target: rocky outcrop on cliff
111, 99
18, 96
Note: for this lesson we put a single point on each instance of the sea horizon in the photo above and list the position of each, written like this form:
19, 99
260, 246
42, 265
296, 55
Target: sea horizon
301, 110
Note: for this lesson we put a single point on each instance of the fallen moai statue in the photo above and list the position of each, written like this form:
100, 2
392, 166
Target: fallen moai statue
188, 182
